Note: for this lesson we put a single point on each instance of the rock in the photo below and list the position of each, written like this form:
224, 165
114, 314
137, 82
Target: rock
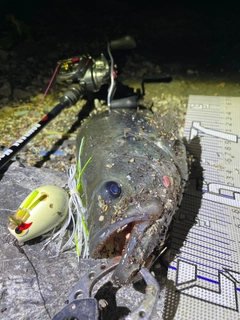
21, 94
21, 113
6, 90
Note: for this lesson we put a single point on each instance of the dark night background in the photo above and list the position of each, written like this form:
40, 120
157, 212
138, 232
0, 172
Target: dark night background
200, 37
165, 30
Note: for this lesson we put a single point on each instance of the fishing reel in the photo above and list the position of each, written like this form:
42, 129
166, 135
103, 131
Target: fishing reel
86, 74
90, 74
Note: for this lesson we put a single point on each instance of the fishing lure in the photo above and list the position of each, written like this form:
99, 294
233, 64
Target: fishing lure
51, 210
44, 209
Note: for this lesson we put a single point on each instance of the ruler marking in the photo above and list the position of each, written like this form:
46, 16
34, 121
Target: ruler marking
206, 259
189, 243
212, 219
211, 249
197, 263
207, 235
203, 235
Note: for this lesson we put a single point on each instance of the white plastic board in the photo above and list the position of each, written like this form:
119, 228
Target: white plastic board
204, 276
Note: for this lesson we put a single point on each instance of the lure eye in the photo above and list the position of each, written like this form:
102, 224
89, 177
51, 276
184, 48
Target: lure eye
18, 231
113, 189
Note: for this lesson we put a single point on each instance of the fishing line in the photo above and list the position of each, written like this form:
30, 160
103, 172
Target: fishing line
22, 251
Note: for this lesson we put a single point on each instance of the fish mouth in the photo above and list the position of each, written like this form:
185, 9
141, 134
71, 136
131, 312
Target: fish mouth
131, 238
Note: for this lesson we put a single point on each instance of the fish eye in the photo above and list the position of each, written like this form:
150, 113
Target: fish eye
112, 190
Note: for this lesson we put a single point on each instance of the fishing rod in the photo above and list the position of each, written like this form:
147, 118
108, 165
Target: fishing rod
83, 74
30, 134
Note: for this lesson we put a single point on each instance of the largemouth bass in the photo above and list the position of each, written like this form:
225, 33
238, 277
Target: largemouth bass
132, 186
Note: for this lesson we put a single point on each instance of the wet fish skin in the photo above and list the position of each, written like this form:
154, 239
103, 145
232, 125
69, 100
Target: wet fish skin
133, 185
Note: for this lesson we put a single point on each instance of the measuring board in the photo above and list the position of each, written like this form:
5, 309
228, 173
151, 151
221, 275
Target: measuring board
204, 275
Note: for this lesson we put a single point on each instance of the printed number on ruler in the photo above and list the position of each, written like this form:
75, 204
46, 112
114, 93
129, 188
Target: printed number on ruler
228, 194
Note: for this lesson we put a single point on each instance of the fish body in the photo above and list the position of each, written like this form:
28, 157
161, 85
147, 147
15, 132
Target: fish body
133, 184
